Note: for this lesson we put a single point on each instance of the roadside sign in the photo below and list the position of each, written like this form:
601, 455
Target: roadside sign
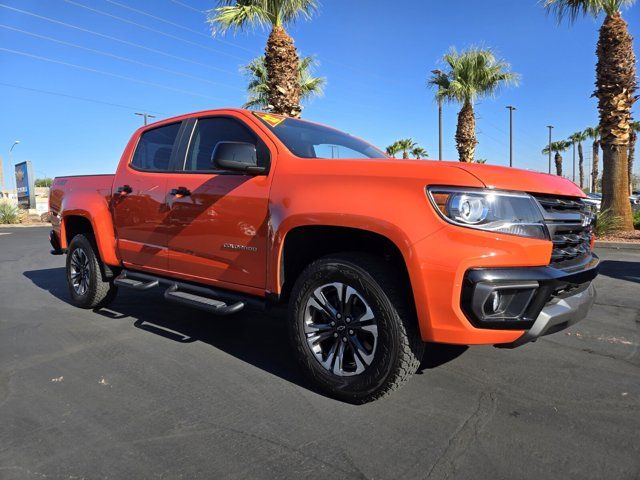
25, 185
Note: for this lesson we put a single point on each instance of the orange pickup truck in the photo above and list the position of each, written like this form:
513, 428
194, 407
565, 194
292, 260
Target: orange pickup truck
231, 209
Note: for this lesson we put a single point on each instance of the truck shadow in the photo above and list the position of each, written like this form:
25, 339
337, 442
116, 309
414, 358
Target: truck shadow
258, 338
621, 270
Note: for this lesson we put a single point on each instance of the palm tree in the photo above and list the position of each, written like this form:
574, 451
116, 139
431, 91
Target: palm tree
258, 87
577, 139
406, 145
393, 149
633, 136
557, 147
616, 84
472, 74
419, 152
281, 57
594, 134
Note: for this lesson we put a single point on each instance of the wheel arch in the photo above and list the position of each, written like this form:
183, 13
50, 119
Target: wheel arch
306, 243
76, 222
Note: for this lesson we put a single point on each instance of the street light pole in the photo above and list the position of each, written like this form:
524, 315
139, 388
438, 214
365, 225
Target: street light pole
10, 161
145, 116
550, 127
511, 109
439, 72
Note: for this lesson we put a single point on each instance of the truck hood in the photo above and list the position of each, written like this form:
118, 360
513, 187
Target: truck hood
506, 178
500, 178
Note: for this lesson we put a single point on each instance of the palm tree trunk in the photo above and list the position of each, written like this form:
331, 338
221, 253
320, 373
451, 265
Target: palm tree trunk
405, 154
281, 61
558, 159
615, 87
581, 165
595, 153
466, 133
633, 136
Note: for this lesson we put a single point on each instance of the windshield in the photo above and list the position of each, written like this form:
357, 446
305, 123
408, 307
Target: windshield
310, 140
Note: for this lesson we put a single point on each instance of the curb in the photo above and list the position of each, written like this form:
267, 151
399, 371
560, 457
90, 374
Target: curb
618, 245
24, 225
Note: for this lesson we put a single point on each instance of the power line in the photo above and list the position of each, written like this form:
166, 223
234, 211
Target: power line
119, 40
342, 65
114, 75
159, 32
187, 6
117, 57
74, 97
178, 25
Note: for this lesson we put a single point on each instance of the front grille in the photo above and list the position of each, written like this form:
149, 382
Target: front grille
570, 225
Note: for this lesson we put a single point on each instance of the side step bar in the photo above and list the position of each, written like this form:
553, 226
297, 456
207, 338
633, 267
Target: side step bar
123, 280
212, 300
173, 294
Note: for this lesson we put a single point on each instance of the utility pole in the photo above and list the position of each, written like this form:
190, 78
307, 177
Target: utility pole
511, 109
438, 73
146, 116
550, 127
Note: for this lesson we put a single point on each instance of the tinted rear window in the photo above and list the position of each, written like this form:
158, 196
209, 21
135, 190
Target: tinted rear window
154, 148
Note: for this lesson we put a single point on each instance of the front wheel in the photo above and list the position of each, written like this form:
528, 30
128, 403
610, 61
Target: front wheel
353, 328
87, 287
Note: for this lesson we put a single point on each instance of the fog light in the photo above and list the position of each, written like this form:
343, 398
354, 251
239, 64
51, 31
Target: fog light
498, 303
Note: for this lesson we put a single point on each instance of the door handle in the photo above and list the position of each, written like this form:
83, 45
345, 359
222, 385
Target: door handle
180, 192
124, 190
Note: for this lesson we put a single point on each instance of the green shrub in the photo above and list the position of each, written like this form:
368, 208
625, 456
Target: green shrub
606, 223
636, 219
9, 213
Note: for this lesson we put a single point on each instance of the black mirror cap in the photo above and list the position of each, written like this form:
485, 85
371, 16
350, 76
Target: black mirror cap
237, 156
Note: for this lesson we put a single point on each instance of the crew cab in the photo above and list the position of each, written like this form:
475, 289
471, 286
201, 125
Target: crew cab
374, 257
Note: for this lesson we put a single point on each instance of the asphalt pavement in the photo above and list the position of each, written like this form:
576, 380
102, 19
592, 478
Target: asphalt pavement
147, 389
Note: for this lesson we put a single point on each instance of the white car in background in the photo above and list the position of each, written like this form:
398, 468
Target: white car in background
595, 200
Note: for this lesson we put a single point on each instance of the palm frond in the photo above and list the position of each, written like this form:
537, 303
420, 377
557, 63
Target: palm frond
592, 132
557, 147
238, 15
471, 74
258, 82
573, 9
292, 10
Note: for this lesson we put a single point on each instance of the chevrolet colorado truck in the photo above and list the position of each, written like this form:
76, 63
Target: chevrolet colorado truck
374, 257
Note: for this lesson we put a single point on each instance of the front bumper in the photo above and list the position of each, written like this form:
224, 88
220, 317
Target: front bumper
538, 300
557, 316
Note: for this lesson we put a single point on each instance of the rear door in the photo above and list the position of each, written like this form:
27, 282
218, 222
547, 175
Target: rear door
139, 205
219, 219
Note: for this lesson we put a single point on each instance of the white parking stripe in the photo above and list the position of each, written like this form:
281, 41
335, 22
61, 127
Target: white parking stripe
6, 233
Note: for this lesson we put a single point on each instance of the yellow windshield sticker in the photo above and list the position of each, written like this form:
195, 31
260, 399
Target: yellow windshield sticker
270, 119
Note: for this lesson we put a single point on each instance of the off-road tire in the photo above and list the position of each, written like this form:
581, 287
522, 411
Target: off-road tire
100, 290
400, 348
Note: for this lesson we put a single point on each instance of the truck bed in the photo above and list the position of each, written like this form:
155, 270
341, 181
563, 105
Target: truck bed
78, 183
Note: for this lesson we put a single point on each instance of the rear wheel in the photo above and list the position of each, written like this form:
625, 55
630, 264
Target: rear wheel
353, 327
87, 287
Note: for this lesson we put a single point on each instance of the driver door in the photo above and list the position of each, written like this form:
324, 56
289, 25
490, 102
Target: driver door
219, 218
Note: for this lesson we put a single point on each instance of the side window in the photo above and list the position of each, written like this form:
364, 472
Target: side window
209, 131
154, 148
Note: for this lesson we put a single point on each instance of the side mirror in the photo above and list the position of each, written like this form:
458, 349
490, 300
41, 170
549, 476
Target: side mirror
236, 156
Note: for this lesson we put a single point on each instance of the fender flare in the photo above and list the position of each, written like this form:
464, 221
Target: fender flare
95, 208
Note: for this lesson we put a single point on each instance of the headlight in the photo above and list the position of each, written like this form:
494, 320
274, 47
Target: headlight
495, 211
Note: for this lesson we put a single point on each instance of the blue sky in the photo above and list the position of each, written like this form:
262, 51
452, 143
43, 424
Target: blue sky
375, 54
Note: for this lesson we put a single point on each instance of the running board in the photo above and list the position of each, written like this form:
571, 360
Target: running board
208, 304
210, 299
123, 280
